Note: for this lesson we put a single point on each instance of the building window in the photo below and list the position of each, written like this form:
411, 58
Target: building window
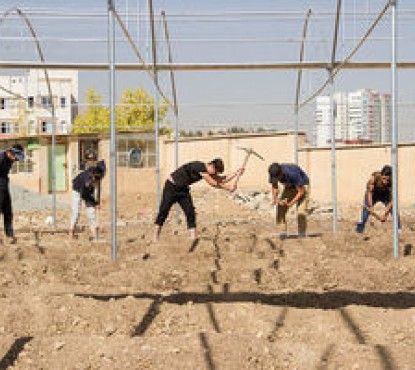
88, 153
136, 151
30, 102
32, 127
5, 127
46, 127
63, 102
2, 103
46, 102
25, 166
64, 127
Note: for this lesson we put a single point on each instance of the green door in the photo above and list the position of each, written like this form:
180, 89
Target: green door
60, 161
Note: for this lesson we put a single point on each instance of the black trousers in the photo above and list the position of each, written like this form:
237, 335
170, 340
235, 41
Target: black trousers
174, 194
6, 209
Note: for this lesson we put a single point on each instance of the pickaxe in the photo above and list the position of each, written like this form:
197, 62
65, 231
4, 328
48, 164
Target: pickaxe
373, 213
248, 151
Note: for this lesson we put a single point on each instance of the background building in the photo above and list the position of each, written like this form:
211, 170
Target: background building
32, 115
322, 129
360, 116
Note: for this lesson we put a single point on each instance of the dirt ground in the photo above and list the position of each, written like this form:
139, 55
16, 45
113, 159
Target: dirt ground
237, 299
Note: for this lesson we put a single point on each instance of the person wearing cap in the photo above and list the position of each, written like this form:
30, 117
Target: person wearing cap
7, 158
86, 187
176, 190
379, 189
296, 192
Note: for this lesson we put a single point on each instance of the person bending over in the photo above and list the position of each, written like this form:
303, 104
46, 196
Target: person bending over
86, 187
295, 183
379, 189
177, 190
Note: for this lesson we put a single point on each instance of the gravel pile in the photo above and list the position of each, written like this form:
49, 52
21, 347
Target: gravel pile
27, 200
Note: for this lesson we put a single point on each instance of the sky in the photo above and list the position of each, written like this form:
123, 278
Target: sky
218, 31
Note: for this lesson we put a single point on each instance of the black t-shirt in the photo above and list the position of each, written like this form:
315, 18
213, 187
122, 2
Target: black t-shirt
5, 165
189, 173
83, 184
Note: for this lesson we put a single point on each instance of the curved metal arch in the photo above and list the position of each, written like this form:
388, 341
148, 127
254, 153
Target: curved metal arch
32, 31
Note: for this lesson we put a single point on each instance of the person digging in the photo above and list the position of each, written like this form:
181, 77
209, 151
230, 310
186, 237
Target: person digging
379, 189
86, 188
177, 190
296, 183
7, 158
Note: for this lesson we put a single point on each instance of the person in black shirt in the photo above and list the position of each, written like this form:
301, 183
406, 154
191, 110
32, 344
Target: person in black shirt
86, 186
7, 158
176, 190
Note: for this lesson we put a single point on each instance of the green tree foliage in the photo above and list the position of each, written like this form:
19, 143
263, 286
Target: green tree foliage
134, 113
96, 117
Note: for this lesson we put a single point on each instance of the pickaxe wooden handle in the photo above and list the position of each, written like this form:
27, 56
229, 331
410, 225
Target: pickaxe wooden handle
247, 155
249, 152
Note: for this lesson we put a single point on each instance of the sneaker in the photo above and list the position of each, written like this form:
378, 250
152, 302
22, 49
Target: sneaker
360, 228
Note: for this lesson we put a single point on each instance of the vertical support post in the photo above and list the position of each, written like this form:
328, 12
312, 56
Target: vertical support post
175, 104
53, 160
394, 142
156, 103
333, 153
113, 144
333, 118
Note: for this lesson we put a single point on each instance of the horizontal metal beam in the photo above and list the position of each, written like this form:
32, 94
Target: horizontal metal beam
202, 66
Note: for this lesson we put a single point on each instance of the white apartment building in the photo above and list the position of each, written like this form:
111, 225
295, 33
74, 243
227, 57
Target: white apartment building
364, 116
322, 115
323, 125
361, 115
25, 105
385, 118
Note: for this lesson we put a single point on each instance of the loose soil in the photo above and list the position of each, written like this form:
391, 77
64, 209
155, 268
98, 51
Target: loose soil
239, 298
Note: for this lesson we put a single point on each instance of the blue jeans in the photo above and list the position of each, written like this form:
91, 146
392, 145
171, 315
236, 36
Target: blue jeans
384, 198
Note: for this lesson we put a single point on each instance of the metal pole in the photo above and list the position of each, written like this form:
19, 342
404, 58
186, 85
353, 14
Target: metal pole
297, 93
333, 118
333, 154
113, 144
394, 148
53, 162
156, 103
175, 103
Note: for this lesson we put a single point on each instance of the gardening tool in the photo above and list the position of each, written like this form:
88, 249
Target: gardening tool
249, 152
374, 214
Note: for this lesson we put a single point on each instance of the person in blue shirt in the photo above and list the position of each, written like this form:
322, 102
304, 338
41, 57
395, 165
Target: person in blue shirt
86, 187
296, 192
7, 158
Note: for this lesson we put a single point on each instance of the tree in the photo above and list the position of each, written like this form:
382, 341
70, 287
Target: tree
134, 113
96, 118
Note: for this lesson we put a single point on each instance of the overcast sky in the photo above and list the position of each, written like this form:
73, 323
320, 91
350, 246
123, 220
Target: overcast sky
234, 31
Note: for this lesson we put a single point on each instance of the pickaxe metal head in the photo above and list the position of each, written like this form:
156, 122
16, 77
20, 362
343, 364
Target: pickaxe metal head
250, 151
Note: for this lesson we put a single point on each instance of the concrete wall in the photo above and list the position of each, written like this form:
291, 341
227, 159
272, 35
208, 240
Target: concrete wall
354, 167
